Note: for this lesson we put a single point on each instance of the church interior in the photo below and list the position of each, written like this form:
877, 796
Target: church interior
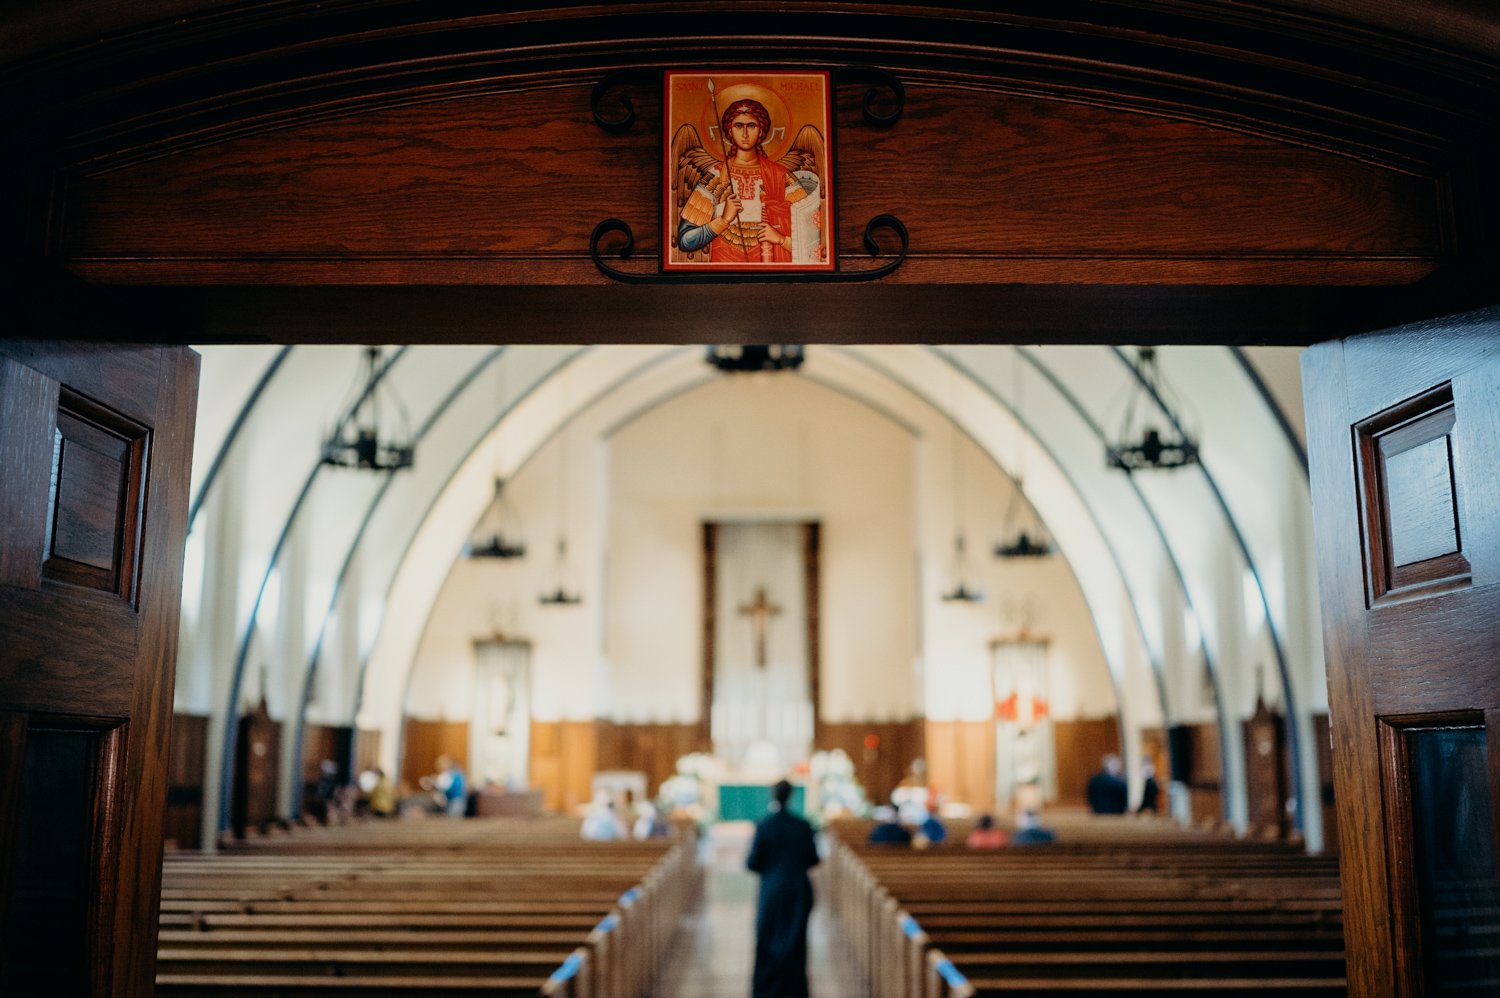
1123, 395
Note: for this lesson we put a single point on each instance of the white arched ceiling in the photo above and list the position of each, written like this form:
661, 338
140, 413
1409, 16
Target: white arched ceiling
359, 540
964, 690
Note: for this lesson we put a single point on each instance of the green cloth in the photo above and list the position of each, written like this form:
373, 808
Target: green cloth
752, 801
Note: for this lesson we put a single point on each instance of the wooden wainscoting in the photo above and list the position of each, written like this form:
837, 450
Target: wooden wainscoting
183, 822
652, 749
367, 749
319, 742
564, 756
1080, 746
257, 768
881, 767
961, 761
1205, 780
424, 741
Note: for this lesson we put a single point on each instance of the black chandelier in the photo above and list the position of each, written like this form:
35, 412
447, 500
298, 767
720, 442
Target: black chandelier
561, 596
755, 357
961, 593
1017, 541
1024, 546
357, 440
498, 534
1145, 448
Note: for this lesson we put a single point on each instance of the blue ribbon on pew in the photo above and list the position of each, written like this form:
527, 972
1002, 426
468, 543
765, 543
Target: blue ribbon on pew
910, 927
568, 969
951, 975
630, 897
607, 924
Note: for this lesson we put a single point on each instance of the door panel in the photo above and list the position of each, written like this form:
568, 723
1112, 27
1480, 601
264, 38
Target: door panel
95, 448
1404, 443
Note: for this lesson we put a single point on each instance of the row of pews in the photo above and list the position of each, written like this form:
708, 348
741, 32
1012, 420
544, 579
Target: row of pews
504, 908
1115, 908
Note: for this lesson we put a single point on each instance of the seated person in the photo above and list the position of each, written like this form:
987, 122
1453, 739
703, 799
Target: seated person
1030, 832
650, 824
888, 831
1107, 792
933, 829
1150, 790
602, 824
985, 835
382, 795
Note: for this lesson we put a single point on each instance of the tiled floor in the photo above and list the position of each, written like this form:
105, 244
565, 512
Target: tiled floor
715, 946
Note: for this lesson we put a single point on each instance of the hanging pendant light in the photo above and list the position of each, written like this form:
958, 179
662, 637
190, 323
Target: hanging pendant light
731, 357
561, 596
498, 533
358, 440
1147, 447
961, 591
1016, 541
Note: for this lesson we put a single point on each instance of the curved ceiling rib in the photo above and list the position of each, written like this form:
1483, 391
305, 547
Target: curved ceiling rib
232, 434
1184, 592
1273, 626
298, 721
413, 527
611, 377
404, 658
226, 761
1117, 667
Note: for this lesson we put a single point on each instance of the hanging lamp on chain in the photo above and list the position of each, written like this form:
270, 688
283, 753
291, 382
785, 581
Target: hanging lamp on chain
359, 441
498, 533
1016, 541
961, 591
1142, 445
561, 595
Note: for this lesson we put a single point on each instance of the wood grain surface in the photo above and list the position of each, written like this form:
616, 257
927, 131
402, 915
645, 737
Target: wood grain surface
505, 188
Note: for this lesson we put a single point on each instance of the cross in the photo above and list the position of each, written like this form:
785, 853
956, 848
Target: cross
760, 613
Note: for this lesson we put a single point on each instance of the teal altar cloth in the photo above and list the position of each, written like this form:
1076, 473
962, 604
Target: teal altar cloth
752, 801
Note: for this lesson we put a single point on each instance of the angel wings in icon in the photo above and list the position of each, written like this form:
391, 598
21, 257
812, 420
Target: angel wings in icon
755, 211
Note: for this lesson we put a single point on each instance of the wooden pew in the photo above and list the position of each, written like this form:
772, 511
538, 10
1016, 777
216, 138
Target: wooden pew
498, 907
1196, 915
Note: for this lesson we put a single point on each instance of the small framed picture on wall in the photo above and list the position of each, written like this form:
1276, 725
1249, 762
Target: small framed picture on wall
748, 174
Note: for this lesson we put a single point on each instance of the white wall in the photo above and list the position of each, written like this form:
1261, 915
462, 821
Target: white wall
761, 447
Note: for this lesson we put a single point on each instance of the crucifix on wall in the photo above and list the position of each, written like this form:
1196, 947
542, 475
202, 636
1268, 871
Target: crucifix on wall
760, 613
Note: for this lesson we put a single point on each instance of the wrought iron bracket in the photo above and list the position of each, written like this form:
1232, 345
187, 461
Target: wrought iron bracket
880, 83
885, 91
874, 225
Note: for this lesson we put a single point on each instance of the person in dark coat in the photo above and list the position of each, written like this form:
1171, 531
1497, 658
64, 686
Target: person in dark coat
1107, 792
782, 853
1150, 790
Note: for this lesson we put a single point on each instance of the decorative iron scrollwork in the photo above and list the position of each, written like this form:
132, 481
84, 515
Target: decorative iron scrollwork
884, 91
877, 80
616, 124
616, 225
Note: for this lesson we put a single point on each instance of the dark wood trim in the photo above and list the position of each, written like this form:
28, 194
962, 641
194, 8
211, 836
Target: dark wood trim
1307, 77
710, 629
812, 584
12, 769
1405, 897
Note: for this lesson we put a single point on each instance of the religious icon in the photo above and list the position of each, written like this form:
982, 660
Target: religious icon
748, 176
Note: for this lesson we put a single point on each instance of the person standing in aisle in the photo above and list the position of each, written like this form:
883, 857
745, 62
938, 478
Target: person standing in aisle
782, 853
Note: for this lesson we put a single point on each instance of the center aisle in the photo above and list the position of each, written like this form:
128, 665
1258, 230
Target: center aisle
714, 951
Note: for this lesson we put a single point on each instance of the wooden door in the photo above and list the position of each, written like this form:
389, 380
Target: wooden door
1404, 440
95, 443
